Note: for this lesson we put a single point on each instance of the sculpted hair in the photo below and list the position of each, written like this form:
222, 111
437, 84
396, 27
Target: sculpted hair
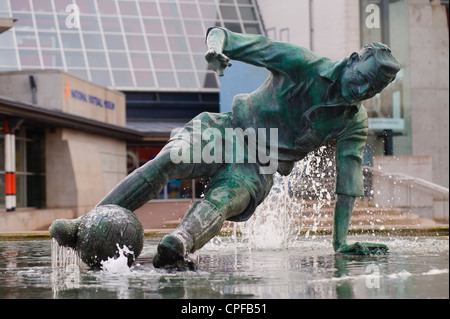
386, 61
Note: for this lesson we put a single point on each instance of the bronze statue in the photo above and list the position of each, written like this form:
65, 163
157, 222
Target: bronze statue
306, 102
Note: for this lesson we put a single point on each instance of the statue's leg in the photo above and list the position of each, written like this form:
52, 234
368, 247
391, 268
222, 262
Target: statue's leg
147, 182
202, 222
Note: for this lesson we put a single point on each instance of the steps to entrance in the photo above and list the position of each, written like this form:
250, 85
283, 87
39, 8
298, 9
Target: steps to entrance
364, 219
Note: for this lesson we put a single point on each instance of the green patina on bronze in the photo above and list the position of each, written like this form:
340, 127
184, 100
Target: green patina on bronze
98, 234
309, 99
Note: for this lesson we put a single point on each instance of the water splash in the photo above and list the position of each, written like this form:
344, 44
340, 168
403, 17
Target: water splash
63, 257
294, 203
118, 265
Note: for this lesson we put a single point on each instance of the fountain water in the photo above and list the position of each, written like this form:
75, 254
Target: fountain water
63, 257
274, 257
279, 220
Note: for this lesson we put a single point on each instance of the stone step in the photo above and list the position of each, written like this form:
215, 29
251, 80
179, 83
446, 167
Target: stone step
361, 217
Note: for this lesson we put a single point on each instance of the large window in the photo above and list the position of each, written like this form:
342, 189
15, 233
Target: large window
190, 189
387, 21
159, 31
30, 168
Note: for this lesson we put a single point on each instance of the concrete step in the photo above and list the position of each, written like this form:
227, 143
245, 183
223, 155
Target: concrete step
361, 217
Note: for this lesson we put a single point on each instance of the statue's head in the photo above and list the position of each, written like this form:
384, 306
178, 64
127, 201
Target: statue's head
96, 235
368, 72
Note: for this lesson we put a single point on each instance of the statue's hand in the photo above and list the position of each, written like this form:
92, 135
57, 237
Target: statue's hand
363, 249
218, 61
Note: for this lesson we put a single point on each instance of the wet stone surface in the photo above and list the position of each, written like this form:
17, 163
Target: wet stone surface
416, 267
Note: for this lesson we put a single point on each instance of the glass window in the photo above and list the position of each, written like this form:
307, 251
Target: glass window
74, 59
86, 6
42, 5
89, 23
61, 5
153, 26
136, 43
97, 59
244, 1
45, 22
107, 6
252, 28
20, 5
189, 11
131, 25
374, 34
140, 60
235, 27
173, 27
118, 60
197, 44
123, 78
6, 39
161, 61
52, 59
128, 8
26, 39
93, 41
247, 13
62, 23
178, 44
111, 25
144, 79
169, 10
4, 7
229, 12
208, 11
29, 58
114, 42
208, 80
48, 40
182, 61
166, 79
187, 79
8, 58
194, 28
157, 43
71, 40
101, 77
200, 62
24, 22
81, 73
148, 9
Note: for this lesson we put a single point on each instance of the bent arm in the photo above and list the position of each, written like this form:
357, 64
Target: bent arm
258, 50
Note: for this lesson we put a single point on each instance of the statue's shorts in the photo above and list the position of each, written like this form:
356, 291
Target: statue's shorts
191, 148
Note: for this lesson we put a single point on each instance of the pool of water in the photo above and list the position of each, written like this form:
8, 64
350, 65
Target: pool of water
416, 267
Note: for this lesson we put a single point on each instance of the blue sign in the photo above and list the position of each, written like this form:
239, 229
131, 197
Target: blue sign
92, 99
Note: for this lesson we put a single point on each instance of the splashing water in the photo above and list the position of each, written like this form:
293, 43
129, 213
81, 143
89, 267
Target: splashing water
118, 265
63, 257
280, 219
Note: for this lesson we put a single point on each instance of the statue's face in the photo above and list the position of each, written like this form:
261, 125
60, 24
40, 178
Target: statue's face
359, 80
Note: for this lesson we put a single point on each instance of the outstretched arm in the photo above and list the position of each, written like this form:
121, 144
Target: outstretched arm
349, 184
277, 57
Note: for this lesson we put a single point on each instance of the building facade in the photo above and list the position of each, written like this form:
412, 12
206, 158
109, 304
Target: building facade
62, 60
100, 84
410, 118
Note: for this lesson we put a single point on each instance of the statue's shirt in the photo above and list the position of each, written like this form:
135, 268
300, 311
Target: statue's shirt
296, 100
